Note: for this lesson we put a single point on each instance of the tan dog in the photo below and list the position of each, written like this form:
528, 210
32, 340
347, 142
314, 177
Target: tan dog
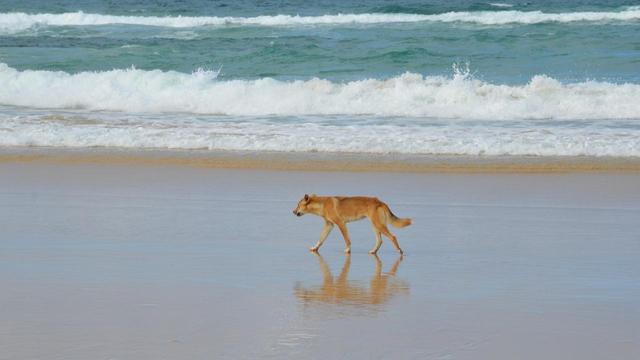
339, 210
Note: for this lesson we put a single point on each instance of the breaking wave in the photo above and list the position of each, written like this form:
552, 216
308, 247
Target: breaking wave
409, 95
18, 21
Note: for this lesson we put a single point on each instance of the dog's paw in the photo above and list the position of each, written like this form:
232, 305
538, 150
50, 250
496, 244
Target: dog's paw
373, 252
347, 251
313, 249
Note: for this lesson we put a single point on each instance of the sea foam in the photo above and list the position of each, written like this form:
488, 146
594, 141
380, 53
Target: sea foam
409, 113
408, 95
307, 134
18, 21
501, 5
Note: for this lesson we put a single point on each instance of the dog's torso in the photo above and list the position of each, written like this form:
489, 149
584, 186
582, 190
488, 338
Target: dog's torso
348, 208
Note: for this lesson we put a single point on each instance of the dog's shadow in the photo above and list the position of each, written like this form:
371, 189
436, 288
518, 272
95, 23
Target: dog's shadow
341, 291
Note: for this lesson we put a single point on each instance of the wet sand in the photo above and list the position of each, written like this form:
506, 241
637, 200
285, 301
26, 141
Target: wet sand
320, 161
114, 261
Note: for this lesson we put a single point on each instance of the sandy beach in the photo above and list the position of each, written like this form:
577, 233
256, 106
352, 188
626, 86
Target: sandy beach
116, 260
321, 161
152, 154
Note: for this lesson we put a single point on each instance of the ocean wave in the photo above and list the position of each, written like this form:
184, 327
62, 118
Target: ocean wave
18, 21
501, 5
459, 96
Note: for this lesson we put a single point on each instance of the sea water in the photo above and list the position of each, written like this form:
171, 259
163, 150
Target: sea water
543, 78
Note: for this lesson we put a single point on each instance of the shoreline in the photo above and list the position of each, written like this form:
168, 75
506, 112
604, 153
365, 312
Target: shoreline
305, 161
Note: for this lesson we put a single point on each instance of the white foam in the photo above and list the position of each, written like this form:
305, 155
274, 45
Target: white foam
501, 5
405, 114
408, 95
311, 135
18, 21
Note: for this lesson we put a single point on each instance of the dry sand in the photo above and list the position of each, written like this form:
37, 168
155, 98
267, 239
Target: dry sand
114, 261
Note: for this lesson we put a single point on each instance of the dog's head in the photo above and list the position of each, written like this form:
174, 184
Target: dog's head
303, 205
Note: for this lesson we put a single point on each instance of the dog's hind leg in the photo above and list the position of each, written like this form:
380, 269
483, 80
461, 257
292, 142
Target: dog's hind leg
378, 241
383, 229
379, 221
323, 235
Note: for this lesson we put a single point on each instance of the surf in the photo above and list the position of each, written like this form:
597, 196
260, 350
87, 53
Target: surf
18, 21
459, 96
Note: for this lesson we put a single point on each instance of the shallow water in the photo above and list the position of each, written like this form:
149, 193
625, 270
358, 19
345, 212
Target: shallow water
172, 262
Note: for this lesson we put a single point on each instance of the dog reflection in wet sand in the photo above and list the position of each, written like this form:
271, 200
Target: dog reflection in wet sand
382, 287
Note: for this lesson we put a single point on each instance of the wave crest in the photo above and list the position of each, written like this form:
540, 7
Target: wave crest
18, 21
408, 95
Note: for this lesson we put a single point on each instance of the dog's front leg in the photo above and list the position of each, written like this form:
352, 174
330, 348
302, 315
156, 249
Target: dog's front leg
345, 234
323, 236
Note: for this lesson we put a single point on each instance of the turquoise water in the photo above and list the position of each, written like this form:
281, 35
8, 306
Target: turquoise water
567, 72
509, 53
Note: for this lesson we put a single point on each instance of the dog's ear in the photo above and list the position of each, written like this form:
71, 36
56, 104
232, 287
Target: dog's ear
306, 197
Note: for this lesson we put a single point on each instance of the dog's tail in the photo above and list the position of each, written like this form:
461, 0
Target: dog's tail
396, 221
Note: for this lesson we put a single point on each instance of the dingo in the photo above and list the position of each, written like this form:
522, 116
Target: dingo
339, 210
